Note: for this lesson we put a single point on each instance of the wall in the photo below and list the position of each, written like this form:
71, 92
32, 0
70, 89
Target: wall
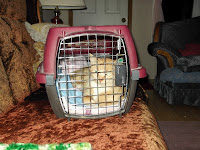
196, 8
142, 34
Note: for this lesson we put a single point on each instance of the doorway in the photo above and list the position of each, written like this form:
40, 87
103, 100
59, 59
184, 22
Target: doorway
103, 12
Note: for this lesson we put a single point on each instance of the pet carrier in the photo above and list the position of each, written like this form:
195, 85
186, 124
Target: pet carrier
90, 72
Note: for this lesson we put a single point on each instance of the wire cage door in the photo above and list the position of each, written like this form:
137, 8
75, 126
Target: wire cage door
92, 75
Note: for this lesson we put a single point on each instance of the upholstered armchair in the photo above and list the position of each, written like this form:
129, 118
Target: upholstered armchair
176, 46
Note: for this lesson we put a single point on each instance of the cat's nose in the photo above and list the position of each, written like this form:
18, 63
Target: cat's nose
100, 80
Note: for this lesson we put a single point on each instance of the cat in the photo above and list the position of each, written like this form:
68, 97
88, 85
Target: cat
98, 82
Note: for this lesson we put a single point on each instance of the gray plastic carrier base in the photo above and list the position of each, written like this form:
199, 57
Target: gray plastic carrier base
58, 110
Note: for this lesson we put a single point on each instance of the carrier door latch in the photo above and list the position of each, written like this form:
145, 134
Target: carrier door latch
49, 80
120, 74
135, 74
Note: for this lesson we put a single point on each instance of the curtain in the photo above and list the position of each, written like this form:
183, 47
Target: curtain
196, 8
177, 10
157, 12
32, 17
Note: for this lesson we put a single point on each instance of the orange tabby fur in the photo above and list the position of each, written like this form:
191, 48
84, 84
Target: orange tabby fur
98, 82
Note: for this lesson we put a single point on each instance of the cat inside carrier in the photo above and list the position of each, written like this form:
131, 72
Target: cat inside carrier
90, 72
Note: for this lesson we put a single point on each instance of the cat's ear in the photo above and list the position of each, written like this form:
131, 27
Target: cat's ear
93, 59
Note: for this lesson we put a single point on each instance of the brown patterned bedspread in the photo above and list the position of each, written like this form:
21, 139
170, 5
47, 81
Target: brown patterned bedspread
35, 122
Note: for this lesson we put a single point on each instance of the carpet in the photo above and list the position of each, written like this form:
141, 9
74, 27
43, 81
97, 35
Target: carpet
33, 121
181, 135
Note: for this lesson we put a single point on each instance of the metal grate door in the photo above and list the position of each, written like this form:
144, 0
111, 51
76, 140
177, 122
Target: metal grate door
92, 75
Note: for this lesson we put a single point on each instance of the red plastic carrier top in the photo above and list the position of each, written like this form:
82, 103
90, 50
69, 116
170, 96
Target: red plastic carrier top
48, 66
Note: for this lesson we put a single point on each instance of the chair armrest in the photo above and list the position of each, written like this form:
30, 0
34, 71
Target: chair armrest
156, 35
155, 46
189, 63
158, 49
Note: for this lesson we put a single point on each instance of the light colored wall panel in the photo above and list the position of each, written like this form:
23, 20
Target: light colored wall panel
142, 34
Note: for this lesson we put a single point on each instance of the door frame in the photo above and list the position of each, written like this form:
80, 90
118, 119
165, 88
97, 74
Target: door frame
130, 2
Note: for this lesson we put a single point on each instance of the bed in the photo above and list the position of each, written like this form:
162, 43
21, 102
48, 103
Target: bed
34, 122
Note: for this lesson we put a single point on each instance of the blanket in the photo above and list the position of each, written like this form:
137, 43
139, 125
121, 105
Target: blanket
35, 122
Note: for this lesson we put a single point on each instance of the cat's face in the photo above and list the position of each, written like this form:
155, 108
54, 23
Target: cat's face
102, 70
